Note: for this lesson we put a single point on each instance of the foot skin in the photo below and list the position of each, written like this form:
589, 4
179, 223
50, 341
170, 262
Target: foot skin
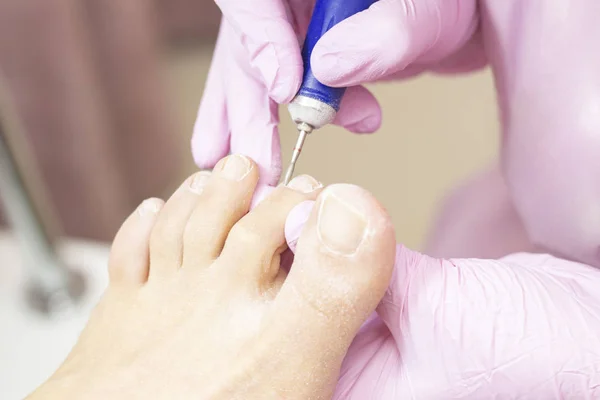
198, 306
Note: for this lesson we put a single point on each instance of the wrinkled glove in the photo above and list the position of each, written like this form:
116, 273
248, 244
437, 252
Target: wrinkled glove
524, 326
239, 112
257, 64
543, 54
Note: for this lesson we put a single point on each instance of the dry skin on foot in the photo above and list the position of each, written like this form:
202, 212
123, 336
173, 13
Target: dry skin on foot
198, 306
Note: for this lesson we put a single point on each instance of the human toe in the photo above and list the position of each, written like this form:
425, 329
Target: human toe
129, 255
345, 254
343, 264
225, 200
166, 239
255, 243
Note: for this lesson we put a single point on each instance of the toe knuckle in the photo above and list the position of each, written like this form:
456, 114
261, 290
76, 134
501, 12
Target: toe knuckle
246, 235
164, 232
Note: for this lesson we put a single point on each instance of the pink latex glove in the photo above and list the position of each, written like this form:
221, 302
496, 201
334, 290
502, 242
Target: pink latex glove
543, 54
524, 326
239, 112
477, 219
257, 64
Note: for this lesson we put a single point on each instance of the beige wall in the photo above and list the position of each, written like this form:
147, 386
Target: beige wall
436, 131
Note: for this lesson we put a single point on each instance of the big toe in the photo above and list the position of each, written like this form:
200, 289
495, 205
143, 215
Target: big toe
343, 264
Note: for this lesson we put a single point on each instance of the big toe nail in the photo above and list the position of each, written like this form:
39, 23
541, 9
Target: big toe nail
342, 224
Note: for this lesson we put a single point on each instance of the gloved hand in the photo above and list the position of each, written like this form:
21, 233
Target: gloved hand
542, 54
238, 112
524, 326
477, 219
257, 64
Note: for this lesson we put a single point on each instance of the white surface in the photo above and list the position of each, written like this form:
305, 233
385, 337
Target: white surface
32, 346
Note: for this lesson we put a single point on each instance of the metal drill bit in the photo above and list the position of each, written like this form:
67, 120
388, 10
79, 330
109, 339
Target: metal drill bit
295, 154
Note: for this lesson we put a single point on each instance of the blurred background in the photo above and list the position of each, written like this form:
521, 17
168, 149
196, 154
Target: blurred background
108, 92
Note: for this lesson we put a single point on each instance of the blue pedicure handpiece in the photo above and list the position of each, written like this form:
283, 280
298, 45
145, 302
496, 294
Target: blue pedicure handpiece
316, 104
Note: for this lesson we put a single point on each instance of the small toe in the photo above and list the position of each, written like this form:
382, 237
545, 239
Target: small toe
129, 255
166, 239
255, 243
226, 199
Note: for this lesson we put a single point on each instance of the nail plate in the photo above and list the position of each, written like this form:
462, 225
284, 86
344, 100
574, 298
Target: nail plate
341, 224
198, 181
150, 206
235, 167
304, 184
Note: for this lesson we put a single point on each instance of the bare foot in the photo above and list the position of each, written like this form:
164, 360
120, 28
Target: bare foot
198, 306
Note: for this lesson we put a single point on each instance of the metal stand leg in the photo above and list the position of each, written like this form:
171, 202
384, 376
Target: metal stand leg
52, 286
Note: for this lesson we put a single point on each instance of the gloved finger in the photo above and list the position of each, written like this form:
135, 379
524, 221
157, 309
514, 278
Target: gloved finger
210, 139
389, 36
471, 56
300, 13
410, 71
295, 222
359, 112
530, 316
253, 117
262, 26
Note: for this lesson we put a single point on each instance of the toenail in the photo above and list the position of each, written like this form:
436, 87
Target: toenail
198, 181
304, 184
341, 224
235, 167
150, 206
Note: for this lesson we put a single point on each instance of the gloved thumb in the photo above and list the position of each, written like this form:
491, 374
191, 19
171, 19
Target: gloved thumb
391, 35
473, 328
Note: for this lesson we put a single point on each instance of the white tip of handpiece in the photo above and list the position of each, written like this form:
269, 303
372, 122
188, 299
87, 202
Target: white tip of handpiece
310, 111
